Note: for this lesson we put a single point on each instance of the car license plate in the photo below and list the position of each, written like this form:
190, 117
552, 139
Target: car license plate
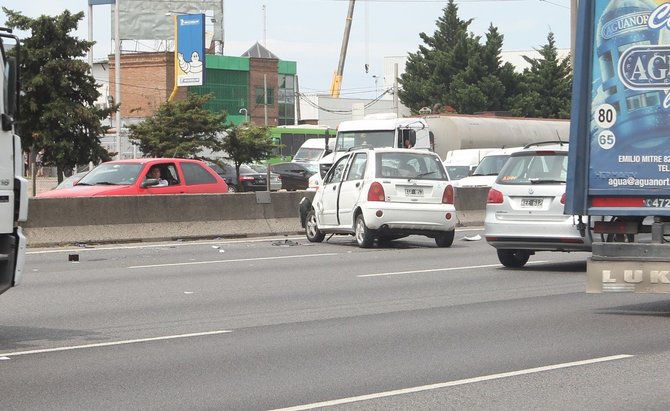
413, 192
531, 202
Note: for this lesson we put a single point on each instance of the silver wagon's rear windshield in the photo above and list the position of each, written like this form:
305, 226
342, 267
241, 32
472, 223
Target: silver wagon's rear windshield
410, 164
547, 167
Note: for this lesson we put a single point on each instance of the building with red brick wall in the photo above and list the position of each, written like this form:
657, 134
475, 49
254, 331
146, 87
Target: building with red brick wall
239, 85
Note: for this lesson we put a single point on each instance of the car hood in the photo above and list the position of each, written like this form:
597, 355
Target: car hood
86, 191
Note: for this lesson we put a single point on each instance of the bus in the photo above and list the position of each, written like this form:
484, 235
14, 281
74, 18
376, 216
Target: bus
289, 139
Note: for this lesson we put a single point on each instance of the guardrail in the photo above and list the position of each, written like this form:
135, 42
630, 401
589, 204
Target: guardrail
63, 221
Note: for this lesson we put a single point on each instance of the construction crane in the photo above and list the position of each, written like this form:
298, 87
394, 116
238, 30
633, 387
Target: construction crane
336, 84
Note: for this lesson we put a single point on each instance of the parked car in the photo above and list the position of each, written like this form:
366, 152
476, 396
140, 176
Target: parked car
71, 180
383, 194
524, 210
294, 175
487, 170
250, 179
129, 177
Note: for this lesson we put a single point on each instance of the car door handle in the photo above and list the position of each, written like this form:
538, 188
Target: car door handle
358, 184
334, 187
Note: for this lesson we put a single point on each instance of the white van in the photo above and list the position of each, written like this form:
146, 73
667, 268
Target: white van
487, 171
312, 150
461, 163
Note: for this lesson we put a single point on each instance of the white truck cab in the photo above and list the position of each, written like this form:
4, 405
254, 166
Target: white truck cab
377, 131
13, 187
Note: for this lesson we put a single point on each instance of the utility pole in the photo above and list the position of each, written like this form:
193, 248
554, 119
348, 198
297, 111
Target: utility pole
395, 89
117, 76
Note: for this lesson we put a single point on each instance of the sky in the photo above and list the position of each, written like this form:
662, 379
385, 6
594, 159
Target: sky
310, 32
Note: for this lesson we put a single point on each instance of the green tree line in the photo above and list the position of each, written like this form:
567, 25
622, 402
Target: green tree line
454, 70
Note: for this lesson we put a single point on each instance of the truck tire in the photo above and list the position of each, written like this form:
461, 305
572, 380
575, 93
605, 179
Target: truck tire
364, 236
312, 232
445, 239
513, 258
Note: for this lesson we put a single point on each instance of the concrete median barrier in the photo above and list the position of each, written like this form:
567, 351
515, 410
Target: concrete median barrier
63, 221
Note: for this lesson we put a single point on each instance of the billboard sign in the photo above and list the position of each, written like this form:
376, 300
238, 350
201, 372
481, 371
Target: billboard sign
190, 49
620, 108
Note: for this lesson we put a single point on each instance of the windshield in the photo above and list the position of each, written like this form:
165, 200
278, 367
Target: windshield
547, 168
410, 165
457, 172
112, 174
308, 154
378, 138
491, 165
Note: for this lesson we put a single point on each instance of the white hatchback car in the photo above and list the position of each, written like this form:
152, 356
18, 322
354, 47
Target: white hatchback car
383, 194
524, 210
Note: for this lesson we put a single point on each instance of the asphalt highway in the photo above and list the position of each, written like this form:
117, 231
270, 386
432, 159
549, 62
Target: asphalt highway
280, 323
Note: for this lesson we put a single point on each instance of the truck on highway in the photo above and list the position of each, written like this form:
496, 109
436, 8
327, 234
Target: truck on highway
619, 154
444, 133
13, 187
376, 131
462, 131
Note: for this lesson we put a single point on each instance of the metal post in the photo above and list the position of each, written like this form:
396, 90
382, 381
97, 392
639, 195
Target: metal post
265, 109
573, 31
117, 76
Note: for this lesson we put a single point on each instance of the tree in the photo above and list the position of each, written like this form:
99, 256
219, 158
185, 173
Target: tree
58, 108
454, 69
247, 143
546, 87
181, 128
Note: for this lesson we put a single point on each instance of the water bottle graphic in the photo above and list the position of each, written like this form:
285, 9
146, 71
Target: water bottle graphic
630, 85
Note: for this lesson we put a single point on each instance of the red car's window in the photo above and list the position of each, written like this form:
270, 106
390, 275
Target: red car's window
195, 173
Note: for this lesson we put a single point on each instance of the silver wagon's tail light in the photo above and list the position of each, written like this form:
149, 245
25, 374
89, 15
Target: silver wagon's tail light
376, 192
494, 197
448, 195
563, 199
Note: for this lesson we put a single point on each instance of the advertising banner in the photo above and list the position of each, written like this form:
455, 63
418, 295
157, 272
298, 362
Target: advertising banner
146, 19
190, 49
630, 101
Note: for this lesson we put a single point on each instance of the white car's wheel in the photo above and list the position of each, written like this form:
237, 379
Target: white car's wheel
513, 258
314, 235
364, 236
445, 239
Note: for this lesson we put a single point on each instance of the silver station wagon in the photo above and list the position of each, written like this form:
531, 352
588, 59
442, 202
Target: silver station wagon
524, 210
383, 194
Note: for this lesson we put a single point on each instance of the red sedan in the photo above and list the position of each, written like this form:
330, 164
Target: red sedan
132, 177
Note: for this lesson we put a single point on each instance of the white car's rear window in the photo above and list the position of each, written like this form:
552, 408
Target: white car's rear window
410, 164
539, 168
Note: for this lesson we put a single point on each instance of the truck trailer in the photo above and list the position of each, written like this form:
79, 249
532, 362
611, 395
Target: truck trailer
619, 156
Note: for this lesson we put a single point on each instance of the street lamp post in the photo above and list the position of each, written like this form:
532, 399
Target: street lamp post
246, 117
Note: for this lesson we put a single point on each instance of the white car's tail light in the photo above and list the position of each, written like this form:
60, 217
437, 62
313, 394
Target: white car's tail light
494, 197
448, 195
376, 192
563, 199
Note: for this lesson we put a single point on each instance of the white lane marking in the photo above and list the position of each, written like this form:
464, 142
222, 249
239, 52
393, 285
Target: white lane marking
432, 270
453, 383
159, 245
237, 260
112, 343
